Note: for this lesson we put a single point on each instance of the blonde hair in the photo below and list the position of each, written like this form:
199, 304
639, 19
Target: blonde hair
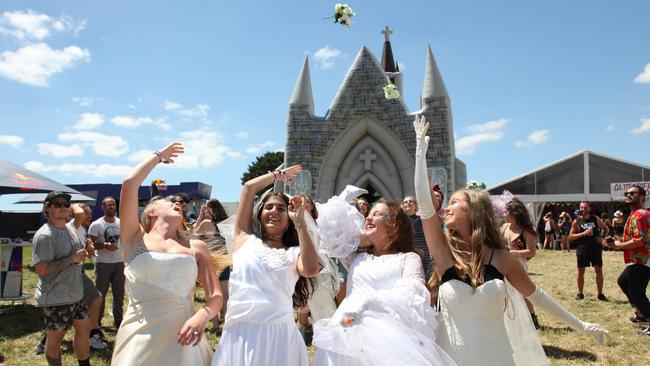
468, 256
147, 222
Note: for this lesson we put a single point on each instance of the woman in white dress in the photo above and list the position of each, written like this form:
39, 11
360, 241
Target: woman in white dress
386, 318
160, 327
477, 281
272, 259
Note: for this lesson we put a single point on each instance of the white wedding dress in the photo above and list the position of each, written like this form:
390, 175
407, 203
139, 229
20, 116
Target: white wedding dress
259, 328
385, 319
160, 288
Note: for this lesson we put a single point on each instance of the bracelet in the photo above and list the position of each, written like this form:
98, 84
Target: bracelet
160, 158
207, 311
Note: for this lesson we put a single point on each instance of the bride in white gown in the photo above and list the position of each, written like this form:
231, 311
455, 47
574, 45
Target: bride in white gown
272, 250
385, 318
160, 327
478, 283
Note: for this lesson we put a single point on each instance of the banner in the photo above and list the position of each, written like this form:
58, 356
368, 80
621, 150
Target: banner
617, 189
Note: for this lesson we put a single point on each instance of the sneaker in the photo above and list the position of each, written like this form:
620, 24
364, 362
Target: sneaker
646, 331
602, 297
97, 343
535, 321
636, 319
40, 348
580, 297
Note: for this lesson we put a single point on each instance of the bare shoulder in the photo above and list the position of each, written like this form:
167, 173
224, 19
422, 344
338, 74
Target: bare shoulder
504, 260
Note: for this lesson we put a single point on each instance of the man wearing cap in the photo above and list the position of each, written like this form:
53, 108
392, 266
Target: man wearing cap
57, 254
636, 243
109, 266
589, 251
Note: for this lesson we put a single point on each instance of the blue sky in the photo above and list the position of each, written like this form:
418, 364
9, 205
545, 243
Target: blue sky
89, 87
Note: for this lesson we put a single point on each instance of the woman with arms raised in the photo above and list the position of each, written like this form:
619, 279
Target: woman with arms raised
477, 281
160, 326
272, 259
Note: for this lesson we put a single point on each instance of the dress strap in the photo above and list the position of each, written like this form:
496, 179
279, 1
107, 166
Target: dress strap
139, 249
491, 255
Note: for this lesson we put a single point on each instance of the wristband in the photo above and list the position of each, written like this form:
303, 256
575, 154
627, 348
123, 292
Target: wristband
160, 158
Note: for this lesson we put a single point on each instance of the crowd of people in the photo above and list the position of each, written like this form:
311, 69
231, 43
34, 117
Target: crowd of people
417, 282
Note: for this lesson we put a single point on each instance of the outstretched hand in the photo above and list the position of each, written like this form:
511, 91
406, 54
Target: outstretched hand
171, 151
597, 331
286, 175
297, 209
421, 127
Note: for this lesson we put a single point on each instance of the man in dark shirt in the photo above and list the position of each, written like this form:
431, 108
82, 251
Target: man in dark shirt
589, 252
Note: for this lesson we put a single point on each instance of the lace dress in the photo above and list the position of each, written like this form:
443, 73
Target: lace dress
160, 302
385, 319
259, 328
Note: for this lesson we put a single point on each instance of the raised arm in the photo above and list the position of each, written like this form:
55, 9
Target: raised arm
307, 264
431, 225
244, 220
129, 223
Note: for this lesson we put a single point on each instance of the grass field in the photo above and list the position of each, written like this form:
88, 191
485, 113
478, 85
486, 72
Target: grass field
553, 271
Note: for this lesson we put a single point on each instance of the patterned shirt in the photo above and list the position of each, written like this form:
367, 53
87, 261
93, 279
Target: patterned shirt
637, 228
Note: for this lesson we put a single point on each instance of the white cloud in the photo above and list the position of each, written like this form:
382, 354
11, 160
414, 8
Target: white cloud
16, 142
467, 145
101, 144
198, 111
83, 101
645, 126
326, 57
35, 64
644, 76
140, 155
172, 106
204, 148
610, 127
94, 170
59, 151
535, 138
493, 125
131, 122
89, 121
255, 149
30, 25
242, 135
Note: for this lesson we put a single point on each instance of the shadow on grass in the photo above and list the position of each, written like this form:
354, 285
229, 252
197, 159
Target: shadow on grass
559, 353
23, 320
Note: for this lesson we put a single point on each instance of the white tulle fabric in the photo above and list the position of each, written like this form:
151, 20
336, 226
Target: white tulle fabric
259, 328
160, 301
481, 327
340, 225
393, 321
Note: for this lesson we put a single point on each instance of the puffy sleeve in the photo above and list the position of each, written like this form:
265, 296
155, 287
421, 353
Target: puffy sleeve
340, 226
413, 268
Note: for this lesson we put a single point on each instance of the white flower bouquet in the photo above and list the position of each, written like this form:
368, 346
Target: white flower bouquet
390, 91
343, 14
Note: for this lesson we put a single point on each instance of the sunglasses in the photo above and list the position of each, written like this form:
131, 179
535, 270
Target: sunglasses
630, 193
60, 204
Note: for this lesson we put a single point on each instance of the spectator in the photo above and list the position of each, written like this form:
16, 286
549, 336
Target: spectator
564, 225
59, 293
109, 265
589, 252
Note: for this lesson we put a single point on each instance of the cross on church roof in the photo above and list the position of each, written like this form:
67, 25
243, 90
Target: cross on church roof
386, 32
367, 157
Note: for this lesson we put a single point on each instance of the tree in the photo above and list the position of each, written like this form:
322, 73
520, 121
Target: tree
268, 161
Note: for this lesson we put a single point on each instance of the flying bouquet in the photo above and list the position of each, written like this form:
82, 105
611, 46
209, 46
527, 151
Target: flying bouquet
343, 14
390, 91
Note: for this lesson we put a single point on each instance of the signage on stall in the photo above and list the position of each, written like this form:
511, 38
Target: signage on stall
617, 189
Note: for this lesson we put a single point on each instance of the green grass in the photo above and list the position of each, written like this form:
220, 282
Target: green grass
553, 271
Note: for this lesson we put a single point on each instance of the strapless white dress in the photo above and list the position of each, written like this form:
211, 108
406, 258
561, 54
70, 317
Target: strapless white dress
160, 288
259, 328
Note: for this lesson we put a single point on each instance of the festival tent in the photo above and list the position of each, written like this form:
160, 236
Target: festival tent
16, 179
585, 175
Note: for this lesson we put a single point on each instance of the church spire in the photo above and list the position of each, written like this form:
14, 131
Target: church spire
387, 59
302, 95
434, 86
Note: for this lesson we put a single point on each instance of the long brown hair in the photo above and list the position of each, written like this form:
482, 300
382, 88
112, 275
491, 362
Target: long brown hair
304, 286
468, 256
401, 239
518, 210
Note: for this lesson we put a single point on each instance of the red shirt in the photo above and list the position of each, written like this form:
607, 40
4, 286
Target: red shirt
637, 228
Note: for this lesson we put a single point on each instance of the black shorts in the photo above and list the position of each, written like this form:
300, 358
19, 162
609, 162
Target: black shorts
61, 317
590, 258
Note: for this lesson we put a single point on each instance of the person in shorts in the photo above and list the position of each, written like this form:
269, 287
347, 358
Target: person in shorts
58, 251
589, 252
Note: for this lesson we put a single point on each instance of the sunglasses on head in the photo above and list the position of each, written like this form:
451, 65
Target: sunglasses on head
60, 204
628, 193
